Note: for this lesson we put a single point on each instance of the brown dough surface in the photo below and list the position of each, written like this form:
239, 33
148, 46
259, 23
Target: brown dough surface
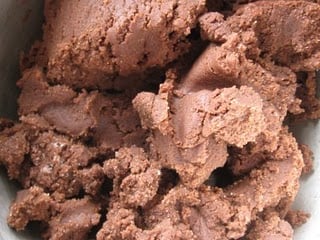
90, 43
107, 119
71, 219
205, 155
191, 131
272, 227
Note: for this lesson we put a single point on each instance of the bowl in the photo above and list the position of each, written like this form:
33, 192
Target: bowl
20, 24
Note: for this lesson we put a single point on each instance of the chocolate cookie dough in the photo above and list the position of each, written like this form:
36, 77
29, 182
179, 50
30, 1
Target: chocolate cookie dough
109, 121
71, 219
207, 154
90, 43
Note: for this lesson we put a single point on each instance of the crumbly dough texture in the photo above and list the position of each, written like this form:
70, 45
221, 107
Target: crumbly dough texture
101, 150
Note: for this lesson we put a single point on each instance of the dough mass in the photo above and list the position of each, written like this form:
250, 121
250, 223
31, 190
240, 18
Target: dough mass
151, 120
